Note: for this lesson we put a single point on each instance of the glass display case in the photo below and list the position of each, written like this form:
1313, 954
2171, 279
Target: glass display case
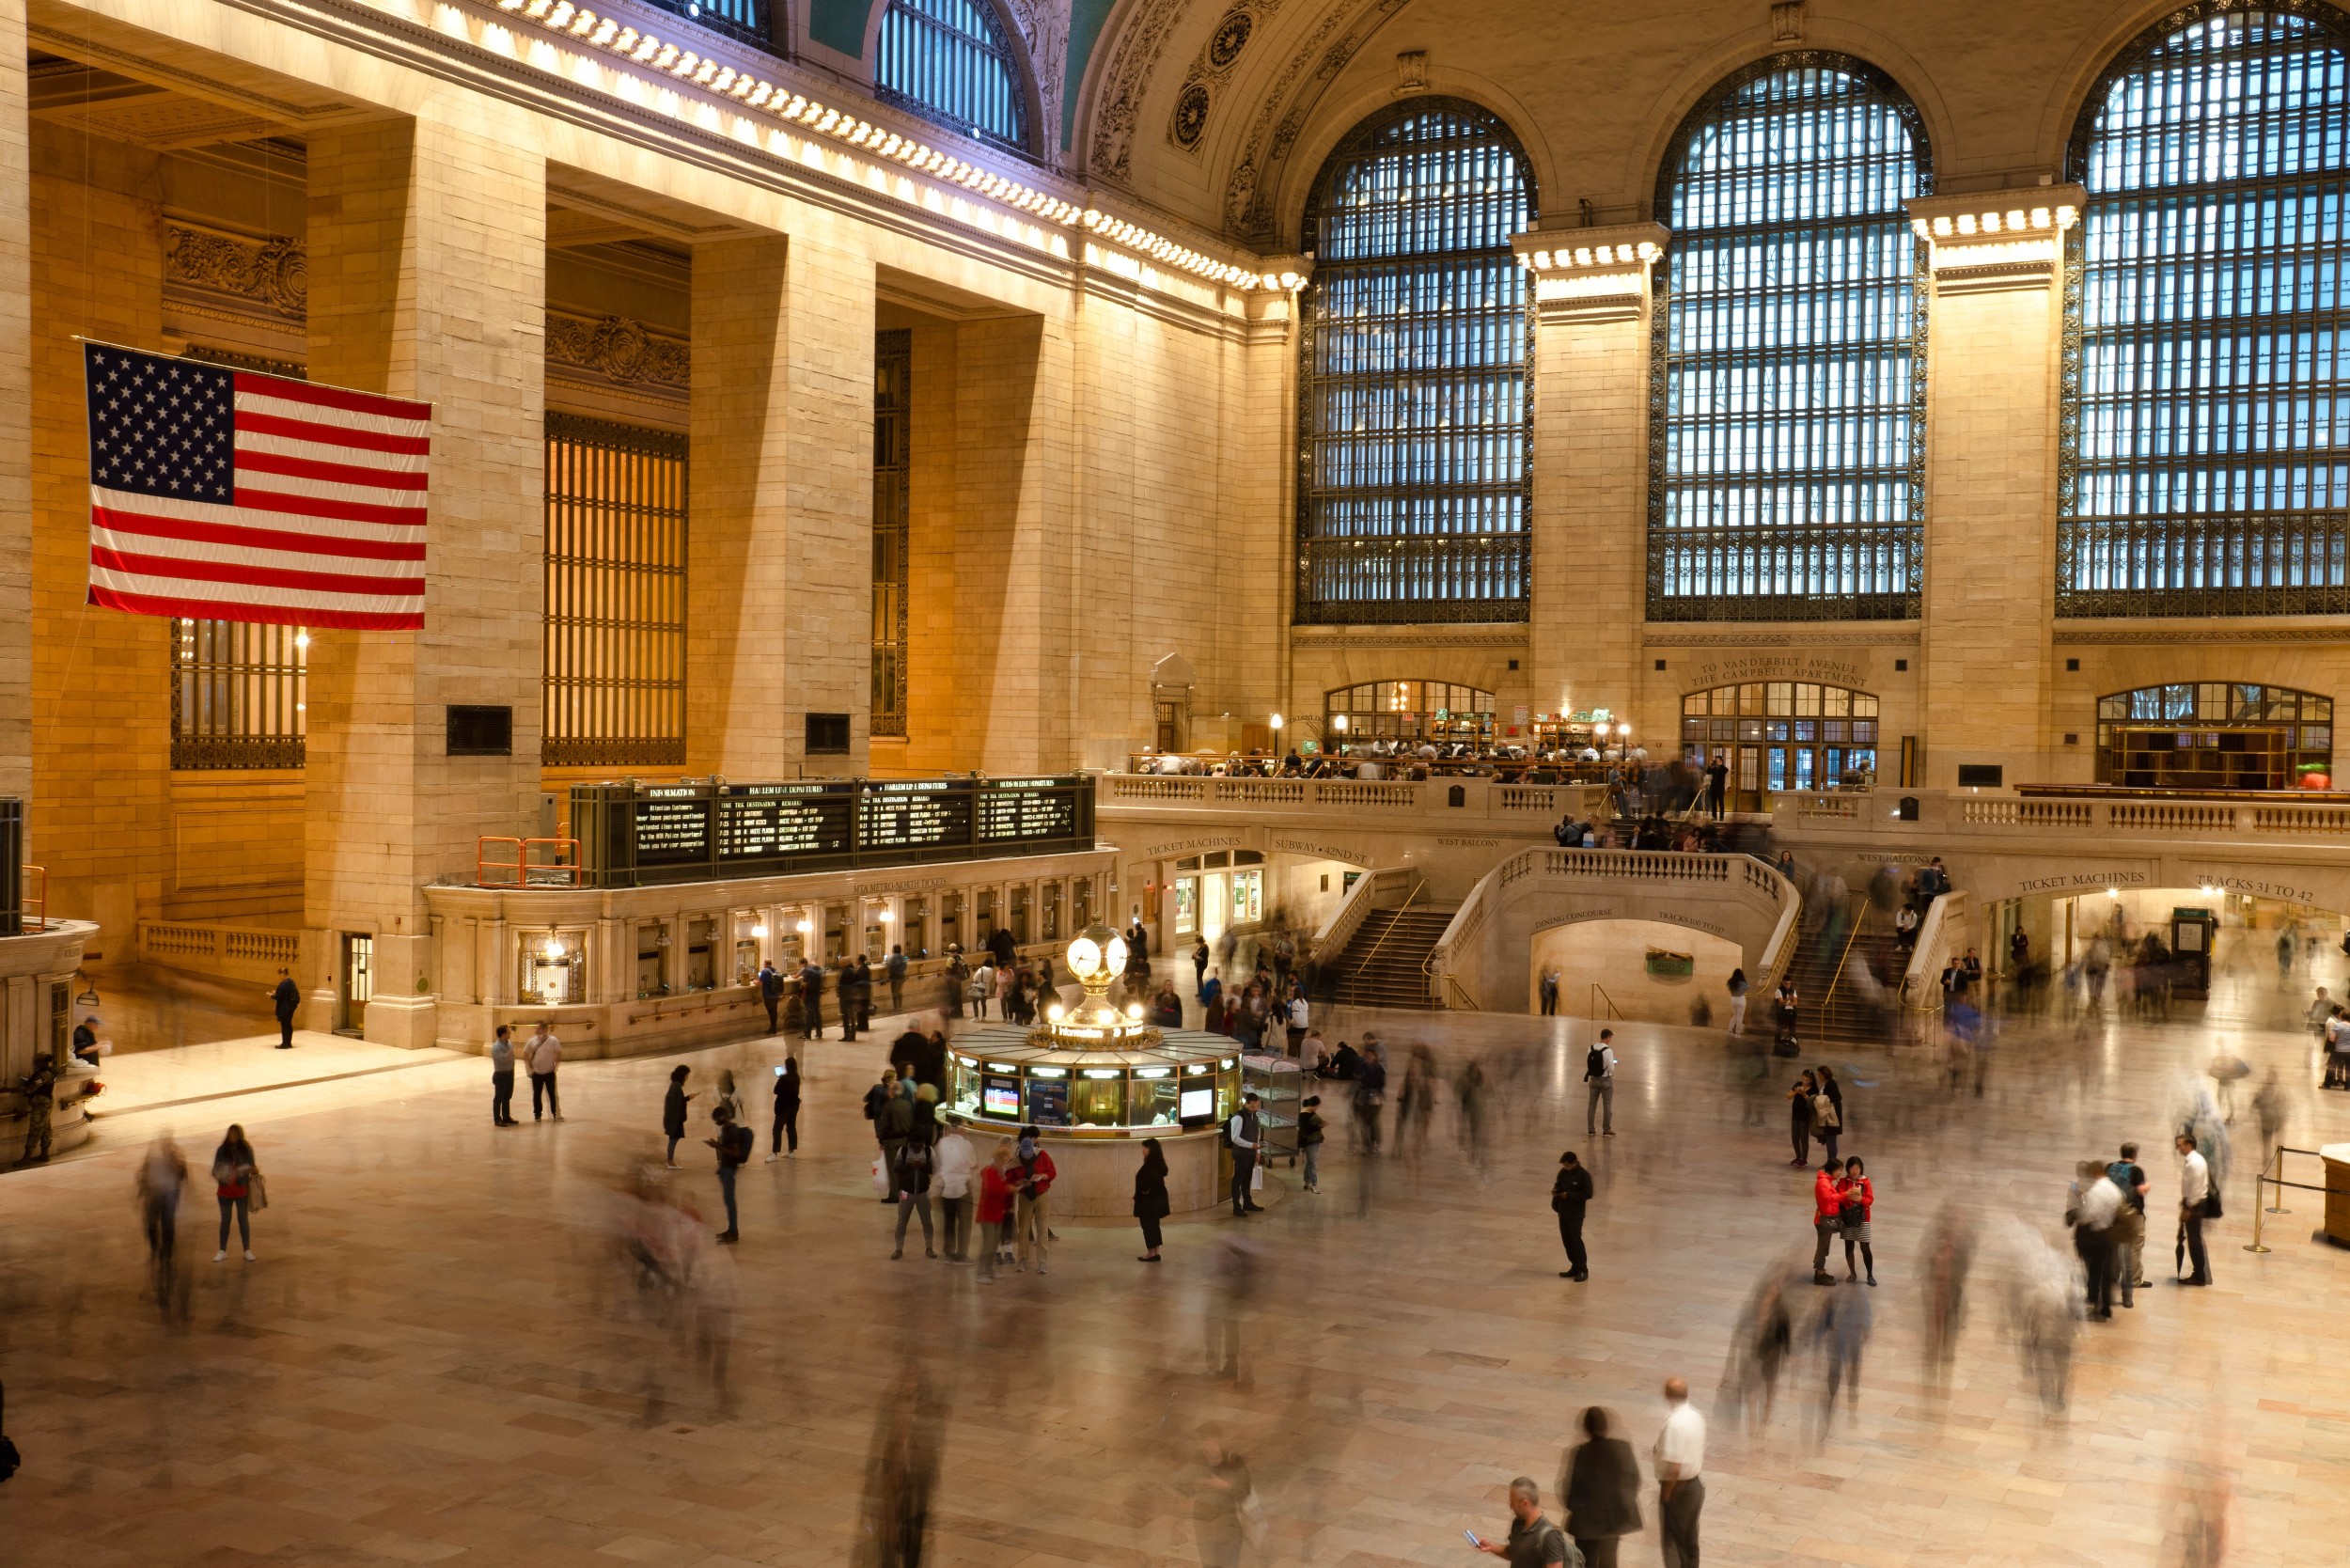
1278, 1082
1186, 1081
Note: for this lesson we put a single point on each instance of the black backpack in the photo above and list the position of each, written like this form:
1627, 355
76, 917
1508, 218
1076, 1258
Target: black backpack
10, 1458
1594, 1061
734, 1144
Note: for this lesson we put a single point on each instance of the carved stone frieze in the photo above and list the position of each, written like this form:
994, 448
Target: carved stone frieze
1045, 28
1126, 80
270, 276
619, 350
1281, 114
1242, 21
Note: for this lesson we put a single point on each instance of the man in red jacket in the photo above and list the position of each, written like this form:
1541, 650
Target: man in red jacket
1032, 1176
1827, 1204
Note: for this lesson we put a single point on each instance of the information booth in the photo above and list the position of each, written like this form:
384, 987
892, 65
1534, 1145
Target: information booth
1095, 1081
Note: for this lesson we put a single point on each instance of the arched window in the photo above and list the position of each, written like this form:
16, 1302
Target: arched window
1413, 416
2215, 735
2206, 418
951, 61
1788, 404
1406, 710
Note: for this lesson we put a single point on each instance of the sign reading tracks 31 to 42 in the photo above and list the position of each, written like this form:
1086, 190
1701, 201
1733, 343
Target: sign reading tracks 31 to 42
648, 835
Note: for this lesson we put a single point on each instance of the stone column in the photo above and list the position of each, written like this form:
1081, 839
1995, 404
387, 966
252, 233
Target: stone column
779, 620
1590, 374
428, 266
1991, 457
16, 413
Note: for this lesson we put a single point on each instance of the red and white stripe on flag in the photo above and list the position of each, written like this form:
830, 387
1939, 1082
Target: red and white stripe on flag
228, 494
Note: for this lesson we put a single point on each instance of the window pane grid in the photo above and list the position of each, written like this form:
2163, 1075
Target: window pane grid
750, 19
1787, 411
893, 476
237, 694
614, 667
1414, 418
951, 61
2207, 461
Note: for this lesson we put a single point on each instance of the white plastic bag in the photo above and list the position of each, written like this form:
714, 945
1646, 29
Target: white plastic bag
1256, 1179
881, 1178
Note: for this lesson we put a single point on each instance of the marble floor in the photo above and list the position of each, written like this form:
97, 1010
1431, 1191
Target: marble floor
440, 1357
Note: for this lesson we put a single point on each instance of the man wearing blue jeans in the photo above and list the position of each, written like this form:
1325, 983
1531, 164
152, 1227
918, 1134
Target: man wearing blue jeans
733, 1144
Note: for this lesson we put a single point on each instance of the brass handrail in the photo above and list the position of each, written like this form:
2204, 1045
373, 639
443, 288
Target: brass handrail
1827, 998
1599, 991
1466, 995
1398, 910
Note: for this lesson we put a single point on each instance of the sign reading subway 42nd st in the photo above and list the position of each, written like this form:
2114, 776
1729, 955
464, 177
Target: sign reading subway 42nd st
642, 835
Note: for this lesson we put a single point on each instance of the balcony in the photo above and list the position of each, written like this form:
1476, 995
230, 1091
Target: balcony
1530, 808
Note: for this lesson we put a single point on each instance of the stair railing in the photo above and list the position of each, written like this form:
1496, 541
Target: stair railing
1827, 1002
1395, 918
1599, 995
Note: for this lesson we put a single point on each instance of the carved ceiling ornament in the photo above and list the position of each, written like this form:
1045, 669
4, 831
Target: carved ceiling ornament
272, 273
1045, 28
1187, 127
1126, 80
1281, 115
620, 350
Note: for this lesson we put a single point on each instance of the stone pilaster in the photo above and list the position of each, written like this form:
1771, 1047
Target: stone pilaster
780, 624
16, 413
1991, 452
1590, 373
428, 267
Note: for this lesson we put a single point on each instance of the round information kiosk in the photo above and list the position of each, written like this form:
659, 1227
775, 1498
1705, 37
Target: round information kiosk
1095, 1081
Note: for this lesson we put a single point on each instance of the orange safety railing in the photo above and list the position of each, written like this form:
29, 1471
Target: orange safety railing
36, 898
560, 869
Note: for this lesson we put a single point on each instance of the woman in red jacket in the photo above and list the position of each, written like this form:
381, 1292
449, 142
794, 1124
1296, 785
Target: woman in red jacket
1827, 1208
1859, 1197
995, 1204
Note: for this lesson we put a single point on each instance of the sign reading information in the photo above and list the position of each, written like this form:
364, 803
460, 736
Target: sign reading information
639, 835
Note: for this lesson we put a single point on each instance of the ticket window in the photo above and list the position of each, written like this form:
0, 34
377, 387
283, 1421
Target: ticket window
1247, 907
836, 933
650, 949
1080, 903
791, 942
915, 930
950, 917
746, 949
1049, 903
984, 916
1019, 911
876, 929
700, 960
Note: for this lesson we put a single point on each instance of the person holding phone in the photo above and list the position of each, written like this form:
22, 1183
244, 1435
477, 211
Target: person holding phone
1534, 1541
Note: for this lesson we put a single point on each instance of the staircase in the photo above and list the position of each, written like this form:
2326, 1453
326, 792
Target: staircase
1386, 962
1837, 1005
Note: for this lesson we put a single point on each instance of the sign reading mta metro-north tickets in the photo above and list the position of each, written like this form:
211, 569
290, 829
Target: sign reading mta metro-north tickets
636, 835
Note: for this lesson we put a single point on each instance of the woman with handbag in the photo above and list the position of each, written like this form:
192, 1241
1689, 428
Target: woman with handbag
1859, 1199
237, 1181
1827, 1113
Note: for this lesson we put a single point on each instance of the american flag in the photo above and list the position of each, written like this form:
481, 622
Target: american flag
228, 494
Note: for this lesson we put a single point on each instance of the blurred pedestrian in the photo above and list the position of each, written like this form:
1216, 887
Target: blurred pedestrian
542, 1054
1570, 1191
770, 984
893, 1126
902, 1472
1799, 1100
1827, 1216
1600, 1491
673, 1105
502, 1077
1680, 1458
733, 1144
235, 1174
1371, 1094
1534, 1542
1032, 1180
1311, 1132
953, 1166
163, 1176
912, 1177
787, 1112
813, 998
1151, 1201
1599, 1073
995, 1206
2093, 1215
1225, 1510
732, 1098
894, 967
40, 1091
2129, 1226
1738, 988
1856, 1201
1827, 1114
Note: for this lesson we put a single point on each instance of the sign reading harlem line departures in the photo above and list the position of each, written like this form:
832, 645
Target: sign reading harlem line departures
636, 835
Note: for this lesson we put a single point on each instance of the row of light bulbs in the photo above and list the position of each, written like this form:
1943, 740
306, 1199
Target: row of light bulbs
755, 92
2015, 220
1593, 255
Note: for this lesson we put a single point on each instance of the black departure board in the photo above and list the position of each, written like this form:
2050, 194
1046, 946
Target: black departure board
761, 822
638, 835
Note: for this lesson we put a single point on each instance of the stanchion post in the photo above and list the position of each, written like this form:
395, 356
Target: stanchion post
2279, 1207
2256, 1244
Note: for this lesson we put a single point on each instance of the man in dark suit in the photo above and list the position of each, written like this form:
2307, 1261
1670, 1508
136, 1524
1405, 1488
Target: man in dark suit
286, 999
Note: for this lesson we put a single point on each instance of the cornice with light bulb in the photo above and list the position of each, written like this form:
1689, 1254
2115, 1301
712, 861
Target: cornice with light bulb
1990, 242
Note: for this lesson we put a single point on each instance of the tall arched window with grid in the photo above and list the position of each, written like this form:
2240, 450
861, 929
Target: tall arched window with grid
2206, 459
1787, 405
1414, 422
953, 61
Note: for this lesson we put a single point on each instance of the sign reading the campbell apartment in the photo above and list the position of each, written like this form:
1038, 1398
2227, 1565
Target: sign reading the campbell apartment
648, 835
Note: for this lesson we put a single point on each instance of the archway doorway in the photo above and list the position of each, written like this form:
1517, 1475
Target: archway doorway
1781, 735
1442, 712
1651, 970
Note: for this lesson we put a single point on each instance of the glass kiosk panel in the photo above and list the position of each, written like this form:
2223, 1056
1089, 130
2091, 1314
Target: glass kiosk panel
1097, 1097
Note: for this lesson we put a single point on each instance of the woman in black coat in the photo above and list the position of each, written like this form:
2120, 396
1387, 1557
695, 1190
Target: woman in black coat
1151, 1204
1602, 1492
673, 1111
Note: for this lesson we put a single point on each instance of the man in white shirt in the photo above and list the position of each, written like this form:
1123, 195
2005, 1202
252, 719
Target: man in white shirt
2093, 1234
2194, 1191
1599, 1071
957, 1163
1680, 1456
1247, 1132
542, 1053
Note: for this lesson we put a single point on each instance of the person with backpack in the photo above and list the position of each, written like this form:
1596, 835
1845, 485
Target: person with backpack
1570, 1193
1534, 1542
813, 999
733, 1144
770, 983
1599, 1071
895, 967
912, 1177
673, 1111
1738, 1001
1827, 1111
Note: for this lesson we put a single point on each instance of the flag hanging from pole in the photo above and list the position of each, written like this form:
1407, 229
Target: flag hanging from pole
227, 494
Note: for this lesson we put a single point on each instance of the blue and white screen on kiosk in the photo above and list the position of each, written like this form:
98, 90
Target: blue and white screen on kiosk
1197, 1102
1001, 1097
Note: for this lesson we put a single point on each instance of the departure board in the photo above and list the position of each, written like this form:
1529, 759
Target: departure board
1026, 809
642, 835
913, 814
761, 822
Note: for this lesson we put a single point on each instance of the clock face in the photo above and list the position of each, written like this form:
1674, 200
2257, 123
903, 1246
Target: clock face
1114, 955
1084, 957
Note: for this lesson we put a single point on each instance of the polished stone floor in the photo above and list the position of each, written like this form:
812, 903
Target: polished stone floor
440, 1354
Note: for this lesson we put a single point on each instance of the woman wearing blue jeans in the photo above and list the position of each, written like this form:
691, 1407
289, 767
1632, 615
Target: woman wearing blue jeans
233, 1173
